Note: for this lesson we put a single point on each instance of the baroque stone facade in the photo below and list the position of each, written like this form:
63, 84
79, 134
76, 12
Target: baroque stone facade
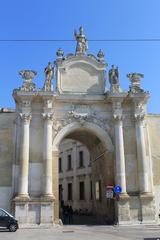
121, 137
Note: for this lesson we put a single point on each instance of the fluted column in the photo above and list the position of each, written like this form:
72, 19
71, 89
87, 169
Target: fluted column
119, 146
47, 154
24, 155
141, 154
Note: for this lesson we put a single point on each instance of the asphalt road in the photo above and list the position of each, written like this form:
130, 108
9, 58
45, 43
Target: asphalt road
78, 232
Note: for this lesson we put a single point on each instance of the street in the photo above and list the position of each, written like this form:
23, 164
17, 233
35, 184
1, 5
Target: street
72, 232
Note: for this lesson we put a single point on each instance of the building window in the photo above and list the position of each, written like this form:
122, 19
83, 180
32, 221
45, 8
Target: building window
69, 162
91, 196
81, 190
60, 192
70, 191
60, 164
81, 162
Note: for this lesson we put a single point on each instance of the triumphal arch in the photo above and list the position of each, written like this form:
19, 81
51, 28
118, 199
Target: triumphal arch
112, 123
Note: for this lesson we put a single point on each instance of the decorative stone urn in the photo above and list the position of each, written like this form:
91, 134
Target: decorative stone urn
28, 75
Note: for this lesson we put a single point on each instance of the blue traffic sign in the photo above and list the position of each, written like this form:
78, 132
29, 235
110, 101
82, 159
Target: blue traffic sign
117, 189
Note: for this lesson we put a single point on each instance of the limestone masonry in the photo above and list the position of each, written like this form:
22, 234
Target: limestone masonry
122, 139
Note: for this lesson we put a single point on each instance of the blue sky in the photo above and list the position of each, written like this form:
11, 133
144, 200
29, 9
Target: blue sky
101, 19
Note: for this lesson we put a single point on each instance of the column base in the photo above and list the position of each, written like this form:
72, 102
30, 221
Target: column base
148, 210
148, 195
34, 211
22, 198
20, 204
136, 209
124, 196
47, 197
47, 215
123, 209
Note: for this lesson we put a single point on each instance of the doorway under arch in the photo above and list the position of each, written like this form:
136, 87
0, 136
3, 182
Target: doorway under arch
99, 145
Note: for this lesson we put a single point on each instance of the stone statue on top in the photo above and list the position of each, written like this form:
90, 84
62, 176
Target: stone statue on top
114, 80
82, 44
135, 79
114, 75
49, 74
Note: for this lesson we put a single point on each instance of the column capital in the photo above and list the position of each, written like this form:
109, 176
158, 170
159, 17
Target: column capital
139, 117
47, 116
25, 117
118, 117
117, 111
139, 111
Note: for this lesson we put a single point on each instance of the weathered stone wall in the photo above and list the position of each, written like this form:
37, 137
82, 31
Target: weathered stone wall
154, 137
6, 157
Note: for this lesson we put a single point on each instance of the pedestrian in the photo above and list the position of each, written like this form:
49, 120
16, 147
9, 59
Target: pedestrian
70, 215
65, 214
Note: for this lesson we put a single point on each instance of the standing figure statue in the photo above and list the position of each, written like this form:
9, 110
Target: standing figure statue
114, 80
82, 44
114, 75
49, 73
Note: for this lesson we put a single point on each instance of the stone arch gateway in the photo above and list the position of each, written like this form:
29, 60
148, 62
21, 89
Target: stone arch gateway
91, 127
89, 134
111, 122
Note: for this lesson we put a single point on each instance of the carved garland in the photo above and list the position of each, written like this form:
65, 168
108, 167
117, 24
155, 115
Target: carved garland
81, 118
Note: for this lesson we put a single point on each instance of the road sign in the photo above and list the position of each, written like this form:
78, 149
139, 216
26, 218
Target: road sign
109, 187
109, 194
117, 189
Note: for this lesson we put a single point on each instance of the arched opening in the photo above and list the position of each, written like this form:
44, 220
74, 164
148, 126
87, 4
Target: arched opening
85, 164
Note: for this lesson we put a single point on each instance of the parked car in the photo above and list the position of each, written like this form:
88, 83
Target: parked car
8, 221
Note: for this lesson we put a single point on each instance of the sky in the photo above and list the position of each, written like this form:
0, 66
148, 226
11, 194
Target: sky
101, 19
